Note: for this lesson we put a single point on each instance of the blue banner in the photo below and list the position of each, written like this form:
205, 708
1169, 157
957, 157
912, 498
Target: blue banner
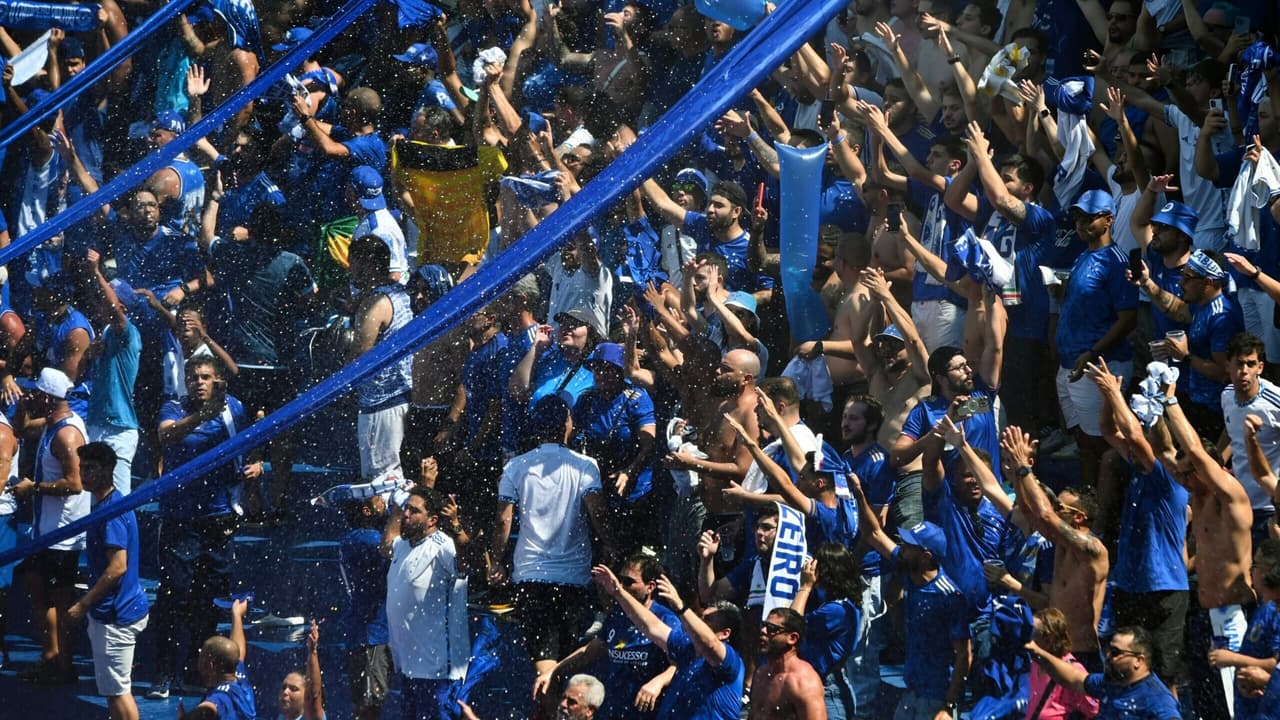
800, 180
751, 60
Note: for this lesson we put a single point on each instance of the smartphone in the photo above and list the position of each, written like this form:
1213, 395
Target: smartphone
1231, 74
826, 112
1135, 262
894, 217
1243, 25
975, 405
1216, 104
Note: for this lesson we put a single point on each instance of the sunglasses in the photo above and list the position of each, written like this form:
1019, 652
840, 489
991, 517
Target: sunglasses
1113, 651
686, 187
772, 629
627, 580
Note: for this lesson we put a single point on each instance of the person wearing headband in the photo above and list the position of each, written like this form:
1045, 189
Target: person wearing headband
1208, 304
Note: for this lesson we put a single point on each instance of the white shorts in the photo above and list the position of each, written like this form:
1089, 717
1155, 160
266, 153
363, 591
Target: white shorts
380, 434
939, 322
113, 655
1081, 402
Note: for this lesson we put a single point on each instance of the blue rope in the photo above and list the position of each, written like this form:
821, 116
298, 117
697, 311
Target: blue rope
94, 72
164, 154
766, 47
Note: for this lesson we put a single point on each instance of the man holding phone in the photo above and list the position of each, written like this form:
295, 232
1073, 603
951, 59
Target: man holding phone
197, 524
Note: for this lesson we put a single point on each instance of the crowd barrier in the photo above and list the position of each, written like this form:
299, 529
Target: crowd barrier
95, 71
744, 67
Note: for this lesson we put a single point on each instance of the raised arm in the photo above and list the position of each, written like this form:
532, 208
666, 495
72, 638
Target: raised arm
313, 702
239, 608
642, 617
1128, 438
911, 79
1066, 674
1017, 446
871, 529
662, 202
873, 279
708, 645
1226, 487
879, 126
1258, 463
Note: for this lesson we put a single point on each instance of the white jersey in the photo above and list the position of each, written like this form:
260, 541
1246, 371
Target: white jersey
423, 609
8, 505
547, 486
53, 512
1266, 406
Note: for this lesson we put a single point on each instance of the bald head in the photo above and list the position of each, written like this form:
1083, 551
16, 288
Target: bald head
222, 653
743, 361
365, 103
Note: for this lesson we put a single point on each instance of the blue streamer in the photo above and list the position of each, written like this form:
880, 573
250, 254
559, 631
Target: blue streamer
776, 38
163, 155
800, 171
95, 71
25, 15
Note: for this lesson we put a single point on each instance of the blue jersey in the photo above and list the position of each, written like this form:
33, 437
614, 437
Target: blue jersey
1153, 530
1170, 280
234, 698
158, 263
841, 206
633, 660
1147, 699
480, 381
830, 634
363, 569
1096, 292
878, 478
979, 429
973, 537
1213, 324
114, 373
734, 251
1029, 318
124, 604
217, 491
552, 374
608, 429
1262, 640
700, 691
434, 94
939, 226
936, 616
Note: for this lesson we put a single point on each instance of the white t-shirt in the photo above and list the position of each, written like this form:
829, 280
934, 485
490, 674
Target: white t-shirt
1208, 201
755, 481
570, 289
383, 224
420, 582
1265, 405
1121, 233
53, 512
547, 486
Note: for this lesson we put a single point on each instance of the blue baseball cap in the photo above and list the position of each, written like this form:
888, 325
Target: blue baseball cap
368, 185
928, 536
293, 38
1095, 202
35, 97
693, 175
610, 353
1177, 216
169, 120
71, 48
436, 280
536, 122
891, 331
744, 300
419, 54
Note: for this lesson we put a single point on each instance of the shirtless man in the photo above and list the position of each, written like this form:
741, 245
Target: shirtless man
727, 459
785, 686
620, 73
1221, 520
1080, 560
839, 348
895, 361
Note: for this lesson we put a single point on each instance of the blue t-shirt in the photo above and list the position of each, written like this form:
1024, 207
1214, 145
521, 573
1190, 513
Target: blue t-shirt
837, 524
608, 429
734, 252
980, 430
550, 371
700, 691
434, 94
936, 616
972, 538
234, 698
1147, 699
265, 288
114, 373
1170, 280
480, 382
633, 660
1262, 640
1153, 530
1213, 324
364, 577
840, 205
157, 263
830, 634
939, 226
518, 344
879, 479
1096, 292
126, 603
217, 491
1029, 318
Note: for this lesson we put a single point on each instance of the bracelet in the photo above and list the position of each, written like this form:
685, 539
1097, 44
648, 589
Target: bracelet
682, 609
1044, 112
752, 136
186, 289
840, 138
1256, 272
216, 196
953, 59
304, 118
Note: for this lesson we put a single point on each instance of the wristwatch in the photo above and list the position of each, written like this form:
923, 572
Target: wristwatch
1024, 471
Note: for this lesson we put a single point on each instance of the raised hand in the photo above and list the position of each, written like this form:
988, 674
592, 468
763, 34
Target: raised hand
1114, 105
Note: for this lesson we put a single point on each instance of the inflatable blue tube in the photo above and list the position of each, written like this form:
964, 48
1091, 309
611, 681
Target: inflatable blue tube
742, 69
800, 181
96, 70
26, 15
163, 155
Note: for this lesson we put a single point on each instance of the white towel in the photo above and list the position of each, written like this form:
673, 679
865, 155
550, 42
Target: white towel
1254, 187
997, 79
1077, 148
486, 56
812, 379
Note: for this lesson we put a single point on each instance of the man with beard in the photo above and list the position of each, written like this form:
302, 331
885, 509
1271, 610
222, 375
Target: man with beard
785, 686
719, 229
1221, 519
1250, 394
636, 670
1080, 561
726, 459
420, 586
1125, 687
578, 278
934, 306
1167, 237
936, 616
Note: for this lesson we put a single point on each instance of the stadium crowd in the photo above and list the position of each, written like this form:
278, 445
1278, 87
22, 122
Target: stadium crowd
1027, 449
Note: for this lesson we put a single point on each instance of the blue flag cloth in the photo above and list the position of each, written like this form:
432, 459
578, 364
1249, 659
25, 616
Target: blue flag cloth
416, 12
1073, 94
1256, 58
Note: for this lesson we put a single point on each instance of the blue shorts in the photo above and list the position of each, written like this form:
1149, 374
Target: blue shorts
428, 699
8, 541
